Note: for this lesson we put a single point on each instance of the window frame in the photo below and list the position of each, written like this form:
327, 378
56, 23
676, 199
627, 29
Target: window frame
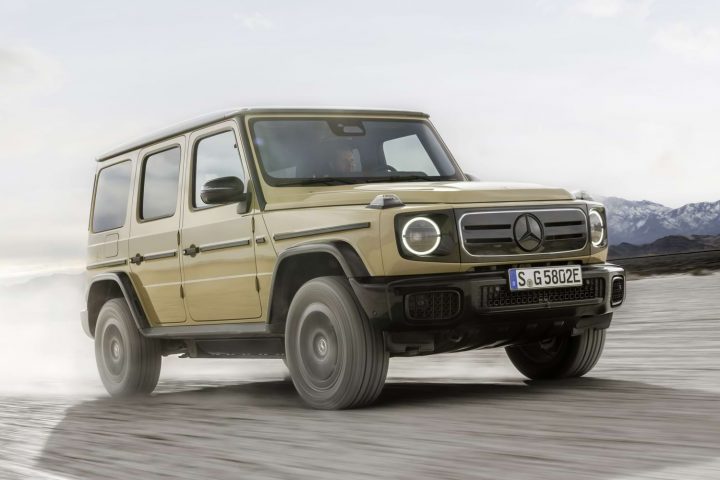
141, 182
95, 191
193, 166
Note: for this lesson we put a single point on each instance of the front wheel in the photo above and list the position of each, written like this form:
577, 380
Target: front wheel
559, 357
336, 358
128, 363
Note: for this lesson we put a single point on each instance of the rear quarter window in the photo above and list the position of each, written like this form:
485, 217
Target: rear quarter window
111, 197
161, 175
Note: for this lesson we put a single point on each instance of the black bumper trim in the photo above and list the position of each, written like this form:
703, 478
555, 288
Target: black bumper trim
383, 299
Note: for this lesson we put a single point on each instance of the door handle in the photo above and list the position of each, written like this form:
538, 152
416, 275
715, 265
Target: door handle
137, 259
192, 250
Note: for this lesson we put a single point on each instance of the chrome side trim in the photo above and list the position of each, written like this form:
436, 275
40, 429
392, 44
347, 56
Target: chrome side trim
109, 263
531, 254
320, 231
159, 255
222, 245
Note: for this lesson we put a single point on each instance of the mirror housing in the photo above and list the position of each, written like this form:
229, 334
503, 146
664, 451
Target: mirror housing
223, 190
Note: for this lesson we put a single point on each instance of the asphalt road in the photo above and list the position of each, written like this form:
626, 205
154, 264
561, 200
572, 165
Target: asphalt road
650, 409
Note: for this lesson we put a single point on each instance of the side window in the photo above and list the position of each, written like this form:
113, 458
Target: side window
111, 197
407, 154
216, 156
161, 174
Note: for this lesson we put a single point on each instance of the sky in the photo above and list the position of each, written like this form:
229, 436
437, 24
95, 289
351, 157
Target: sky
616, 97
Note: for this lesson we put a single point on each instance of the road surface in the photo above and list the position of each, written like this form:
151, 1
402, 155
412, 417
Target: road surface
650, 409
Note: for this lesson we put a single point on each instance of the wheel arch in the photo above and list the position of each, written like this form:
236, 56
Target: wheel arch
106, 286
301, 263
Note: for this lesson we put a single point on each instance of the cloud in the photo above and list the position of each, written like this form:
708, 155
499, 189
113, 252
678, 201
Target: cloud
695, 45
255, 21
614, 8
26, 70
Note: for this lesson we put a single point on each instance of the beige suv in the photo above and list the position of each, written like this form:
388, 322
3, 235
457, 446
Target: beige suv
334, 239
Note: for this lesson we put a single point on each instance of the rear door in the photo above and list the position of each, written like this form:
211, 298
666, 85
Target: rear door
154, 258
218, 260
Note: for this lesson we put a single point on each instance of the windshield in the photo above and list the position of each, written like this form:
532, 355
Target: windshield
345, 151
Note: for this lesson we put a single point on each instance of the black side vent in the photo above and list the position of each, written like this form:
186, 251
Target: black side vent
432, 306
618, 291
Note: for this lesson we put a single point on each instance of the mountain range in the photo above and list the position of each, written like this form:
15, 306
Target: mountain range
666, 245
643, 222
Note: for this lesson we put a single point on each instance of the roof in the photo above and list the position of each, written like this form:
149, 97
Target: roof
210, 118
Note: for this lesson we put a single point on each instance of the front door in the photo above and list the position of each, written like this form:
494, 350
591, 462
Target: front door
218, 249
153, 244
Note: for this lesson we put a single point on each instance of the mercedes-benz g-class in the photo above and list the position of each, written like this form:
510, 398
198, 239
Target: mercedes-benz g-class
334, 239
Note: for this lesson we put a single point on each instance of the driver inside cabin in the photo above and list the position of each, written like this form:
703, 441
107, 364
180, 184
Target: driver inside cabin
343, 163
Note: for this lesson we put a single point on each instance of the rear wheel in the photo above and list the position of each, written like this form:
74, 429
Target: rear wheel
559, 357
336, 358
128, 363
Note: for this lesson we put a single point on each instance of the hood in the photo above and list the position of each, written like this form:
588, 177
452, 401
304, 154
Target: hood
413, 192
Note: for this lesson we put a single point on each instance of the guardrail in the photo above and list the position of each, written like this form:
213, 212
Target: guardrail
664, 255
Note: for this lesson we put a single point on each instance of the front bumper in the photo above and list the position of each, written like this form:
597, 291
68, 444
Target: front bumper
476, 322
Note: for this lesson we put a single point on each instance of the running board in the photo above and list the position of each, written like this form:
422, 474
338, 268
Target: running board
251, 347
196, 332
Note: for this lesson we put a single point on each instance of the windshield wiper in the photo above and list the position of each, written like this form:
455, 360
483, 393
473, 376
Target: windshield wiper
398, 178
411, 177
323, 181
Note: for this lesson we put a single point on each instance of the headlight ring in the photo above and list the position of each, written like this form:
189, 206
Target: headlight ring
421, 236
598, 231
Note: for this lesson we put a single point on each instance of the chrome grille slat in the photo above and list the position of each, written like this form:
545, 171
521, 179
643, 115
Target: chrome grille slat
490, 233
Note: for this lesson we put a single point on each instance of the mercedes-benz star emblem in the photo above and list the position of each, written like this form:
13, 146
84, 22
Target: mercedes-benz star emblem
528, 232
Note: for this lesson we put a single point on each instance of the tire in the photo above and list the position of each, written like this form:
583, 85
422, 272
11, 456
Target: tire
128, 363
336, 358
559, 357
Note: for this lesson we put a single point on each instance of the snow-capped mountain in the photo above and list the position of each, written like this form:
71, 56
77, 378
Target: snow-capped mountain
641, 222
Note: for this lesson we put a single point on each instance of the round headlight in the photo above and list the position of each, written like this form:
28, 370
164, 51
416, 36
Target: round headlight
597, 228
421, 236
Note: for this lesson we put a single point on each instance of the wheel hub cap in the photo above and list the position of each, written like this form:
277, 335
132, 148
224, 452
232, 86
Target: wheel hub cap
113, 351
321, 346
318, 348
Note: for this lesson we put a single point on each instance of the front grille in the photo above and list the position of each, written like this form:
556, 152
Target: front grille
432, 306
491, 233
618, 291
498, 296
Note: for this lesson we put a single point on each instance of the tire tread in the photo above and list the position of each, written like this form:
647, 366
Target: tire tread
144, 354
577, 359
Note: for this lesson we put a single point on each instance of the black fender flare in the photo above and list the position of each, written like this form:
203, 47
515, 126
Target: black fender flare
347, 257
122, 280
344, 253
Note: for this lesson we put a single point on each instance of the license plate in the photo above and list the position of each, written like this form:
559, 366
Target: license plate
545, 277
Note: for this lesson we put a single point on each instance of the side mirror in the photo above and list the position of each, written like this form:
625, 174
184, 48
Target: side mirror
223, 190
472, 178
